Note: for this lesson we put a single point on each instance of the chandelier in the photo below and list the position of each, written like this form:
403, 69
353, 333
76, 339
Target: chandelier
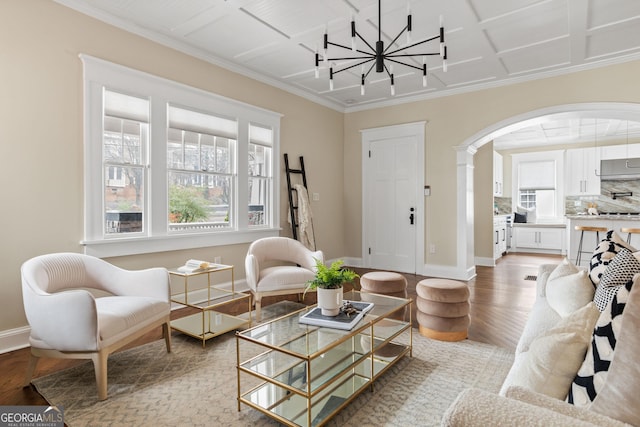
379, 56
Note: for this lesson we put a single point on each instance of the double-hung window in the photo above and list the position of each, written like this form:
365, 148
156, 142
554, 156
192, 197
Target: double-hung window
538, 184
170, 167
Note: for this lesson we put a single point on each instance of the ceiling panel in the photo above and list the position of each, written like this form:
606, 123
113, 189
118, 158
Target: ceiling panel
545, 21
538, 58
620, 39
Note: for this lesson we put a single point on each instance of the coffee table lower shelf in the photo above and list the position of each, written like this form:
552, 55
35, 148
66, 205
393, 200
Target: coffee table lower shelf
208, 324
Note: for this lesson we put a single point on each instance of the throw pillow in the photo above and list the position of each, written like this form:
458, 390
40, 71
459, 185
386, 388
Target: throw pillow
604, 253
565, 268
566, 294
592, 375
620, 397
553, 358
620, 270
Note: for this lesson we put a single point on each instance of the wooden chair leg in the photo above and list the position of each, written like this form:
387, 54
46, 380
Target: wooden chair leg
100, 367
33, 361
258, 300
166, 331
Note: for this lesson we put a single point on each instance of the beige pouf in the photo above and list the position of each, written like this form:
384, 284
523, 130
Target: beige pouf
443, 309
385, 283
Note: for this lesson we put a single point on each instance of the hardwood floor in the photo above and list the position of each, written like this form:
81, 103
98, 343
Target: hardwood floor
500, 302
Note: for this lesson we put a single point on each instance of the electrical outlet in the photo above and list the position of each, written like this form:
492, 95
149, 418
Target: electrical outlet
316, 197
432, 248
217, 259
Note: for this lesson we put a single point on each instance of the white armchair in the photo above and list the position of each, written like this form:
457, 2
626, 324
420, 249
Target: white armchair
81, 307
266, 274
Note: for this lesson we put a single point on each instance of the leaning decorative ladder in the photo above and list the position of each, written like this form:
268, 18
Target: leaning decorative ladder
293, 208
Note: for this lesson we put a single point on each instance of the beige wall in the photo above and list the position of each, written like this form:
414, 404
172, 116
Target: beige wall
455, 119
42, 149
41, 145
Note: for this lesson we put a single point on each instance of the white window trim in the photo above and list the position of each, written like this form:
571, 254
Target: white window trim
99, 73
558, 157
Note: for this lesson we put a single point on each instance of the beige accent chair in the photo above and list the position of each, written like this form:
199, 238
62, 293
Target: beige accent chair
279, 266
81, 307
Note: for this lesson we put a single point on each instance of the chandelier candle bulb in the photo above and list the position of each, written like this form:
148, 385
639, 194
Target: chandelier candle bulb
408, 24
353, 34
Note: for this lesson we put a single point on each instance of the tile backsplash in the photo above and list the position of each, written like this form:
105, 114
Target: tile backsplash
604, 201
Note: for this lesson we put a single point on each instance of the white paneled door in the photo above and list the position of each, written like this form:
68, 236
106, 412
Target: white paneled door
393, 221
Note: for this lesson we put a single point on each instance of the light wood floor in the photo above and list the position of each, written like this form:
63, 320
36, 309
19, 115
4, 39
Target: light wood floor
500, 302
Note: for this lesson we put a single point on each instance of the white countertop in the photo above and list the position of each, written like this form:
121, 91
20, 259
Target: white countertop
621, 217
539, 225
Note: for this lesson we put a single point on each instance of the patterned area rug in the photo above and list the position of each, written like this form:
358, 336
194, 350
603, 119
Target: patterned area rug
196, 386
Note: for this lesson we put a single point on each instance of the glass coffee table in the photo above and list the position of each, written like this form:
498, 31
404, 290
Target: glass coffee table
302, 375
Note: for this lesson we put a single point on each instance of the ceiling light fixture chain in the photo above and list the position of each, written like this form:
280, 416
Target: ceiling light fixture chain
379, 56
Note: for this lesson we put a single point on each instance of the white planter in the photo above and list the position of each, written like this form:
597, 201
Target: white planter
330, 301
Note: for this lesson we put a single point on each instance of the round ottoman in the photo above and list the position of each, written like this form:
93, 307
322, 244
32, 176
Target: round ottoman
443, 309
385, 283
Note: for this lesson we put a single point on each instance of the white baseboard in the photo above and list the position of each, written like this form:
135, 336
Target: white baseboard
449, 272
485, 262
14, 339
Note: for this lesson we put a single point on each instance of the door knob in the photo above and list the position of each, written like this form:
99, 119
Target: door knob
411, 216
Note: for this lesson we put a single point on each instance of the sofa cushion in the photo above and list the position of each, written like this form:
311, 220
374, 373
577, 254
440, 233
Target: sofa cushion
592, 375
620, 396
604, 253
570, 292
620, 270
554, 357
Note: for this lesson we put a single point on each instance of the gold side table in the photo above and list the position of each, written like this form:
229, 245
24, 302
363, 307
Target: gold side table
208, 322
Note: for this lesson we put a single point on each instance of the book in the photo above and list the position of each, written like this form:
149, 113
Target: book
194, 265
341, 321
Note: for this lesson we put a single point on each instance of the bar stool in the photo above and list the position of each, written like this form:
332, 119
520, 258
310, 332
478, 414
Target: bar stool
582, 229
629, 232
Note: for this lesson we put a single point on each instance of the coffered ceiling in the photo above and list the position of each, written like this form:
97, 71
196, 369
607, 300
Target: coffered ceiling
489, 42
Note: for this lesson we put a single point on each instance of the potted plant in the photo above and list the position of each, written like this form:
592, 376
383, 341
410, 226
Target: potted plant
328, 283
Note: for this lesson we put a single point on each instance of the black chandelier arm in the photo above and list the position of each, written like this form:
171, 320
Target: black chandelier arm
394, 40
368, 58
402, 63
354, 65
369, 70
406, 55
413, 45
348, 48
365, 42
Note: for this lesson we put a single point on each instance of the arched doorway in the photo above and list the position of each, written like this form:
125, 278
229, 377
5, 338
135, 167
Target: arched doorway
465, 152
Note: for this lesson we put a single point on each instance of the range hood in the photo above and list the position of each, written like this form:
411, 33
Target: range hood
619, 169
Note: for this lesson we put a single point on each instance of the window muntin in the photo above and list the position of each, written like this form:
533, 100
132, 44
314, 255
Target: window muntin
124, 144
260, 175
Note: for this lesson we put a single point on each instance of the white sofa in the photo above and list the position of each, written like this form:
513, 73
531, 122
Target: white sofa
618, 404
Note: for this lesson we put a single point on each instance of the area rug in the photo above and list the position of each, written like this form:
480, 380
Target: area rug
198, 387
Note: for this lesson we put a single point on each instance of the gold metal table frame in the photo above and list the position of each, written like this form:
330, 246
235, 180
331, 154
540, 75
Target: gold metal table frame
302, 375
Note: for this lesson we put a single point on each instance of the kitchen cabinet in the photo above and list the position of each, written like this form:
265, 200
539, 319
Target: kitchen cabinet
581, 166
623, 151
499, 236
498, 175
539, 238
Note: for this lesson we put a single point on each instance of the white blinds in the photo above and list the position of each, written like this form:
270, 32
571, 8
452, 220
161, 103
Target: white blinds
126, 106
260, 135
193, 121
537, 175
